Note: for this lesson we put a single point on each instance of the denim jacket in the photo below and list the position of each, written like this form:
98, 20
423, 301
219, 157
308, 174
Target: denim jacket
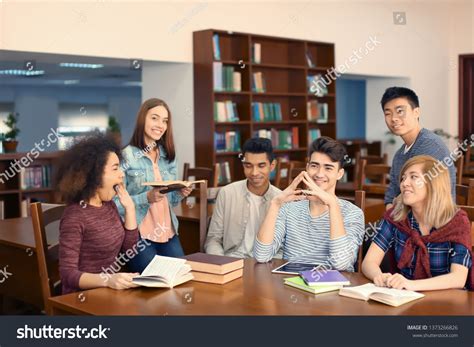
138, 168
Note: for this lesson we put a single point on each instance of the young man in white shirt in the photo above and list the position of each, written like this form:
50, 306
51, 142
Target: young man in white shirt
241, 206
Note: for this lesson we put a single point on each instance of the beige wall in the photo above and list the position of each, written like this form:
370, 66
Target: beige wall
424, 50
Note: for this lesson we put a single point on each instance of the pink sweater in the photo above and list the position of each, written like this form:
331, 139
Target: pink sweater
90, 239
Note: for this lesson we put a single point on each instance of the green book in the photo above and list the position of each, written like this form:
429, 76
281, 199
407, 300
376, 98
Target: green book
298, 282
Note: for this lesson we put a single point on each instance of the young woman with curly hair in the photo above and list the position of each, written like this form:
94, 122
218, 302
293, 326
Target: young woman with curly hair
92, 236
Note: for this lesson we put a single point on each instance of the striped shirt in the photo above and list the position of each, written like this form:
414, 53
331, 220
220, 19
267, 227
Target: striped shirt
442, 254
306, 239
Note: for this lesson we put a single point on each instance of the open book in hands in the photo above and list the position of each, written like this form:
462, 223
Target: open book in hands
388, 296
164, 272
171, 186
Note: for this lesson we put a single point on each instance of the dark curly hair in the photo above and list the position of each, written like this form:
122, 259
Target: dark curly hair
81, 167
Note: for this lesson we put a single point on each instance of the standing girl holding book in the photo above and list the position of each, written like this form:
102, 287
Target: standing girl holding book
150, 156
430, 237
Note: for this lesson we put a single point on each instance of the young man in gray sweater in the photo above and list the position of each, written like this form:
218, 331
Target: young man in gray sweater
401, 108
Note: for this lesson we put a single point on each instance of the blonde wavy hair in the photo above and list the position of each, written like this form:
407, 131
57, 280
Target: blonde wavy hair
439, 206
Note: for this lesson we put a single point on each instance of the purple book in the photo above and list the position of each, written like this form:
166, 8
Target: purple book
324, 278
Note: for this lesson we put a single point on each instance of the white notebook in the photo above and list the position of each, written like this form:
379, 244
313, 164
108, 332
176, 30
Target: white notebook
388, 296
164, 272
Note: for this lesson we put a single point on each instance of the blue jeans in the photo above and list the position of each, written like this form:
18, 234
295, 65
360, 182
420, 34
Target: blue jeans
172, 248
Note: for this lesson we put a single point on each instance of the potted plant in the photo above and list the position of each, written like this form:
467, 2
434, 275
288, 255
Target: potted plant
10, 142
113, 130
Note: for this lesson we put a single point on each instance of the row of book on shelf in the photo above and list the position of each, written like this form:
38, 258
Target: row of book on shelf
226, 78
227, 111
256, 52
266, 111
35, 177
230, 141
281, 139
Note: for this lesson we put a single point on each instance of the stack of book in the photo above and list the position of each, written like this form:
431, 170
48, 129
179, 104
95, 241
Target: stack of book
227, 142
317, 85
266, 111
317, 282
317, 111
225, 111
226, 79
35, 177
223, 173
215, 269
258, 82
281, 139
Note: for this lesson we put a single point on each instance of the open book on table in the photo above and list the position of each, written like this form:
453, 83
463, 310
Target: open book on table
388, 296
164, 272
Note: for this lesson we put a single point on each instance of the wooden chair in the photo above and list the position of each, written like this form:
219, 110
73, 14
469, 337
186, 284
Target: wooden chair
295, 171
203, 222
465, 194
283, 168
46, 255
378, 174
372, 159
212, 194
470, 213
359, 201
199, 173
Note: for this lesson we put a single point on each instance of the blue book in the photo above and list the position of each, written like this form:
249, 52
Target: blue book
324, 277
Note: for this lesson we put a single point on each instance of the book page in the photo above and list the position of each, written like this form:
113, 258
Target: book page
164, 267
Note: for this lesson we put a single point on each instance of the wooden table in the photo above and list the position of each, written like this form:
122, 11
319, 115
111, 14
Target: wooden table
258, 292
17, 248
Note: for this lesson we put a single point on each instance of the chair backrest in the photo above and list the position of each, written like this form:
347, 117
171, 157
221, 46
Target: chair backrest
465, 194
470, 213
44, 253
469, 160
295, 171
459, 169
372, 159
378, 174
359, 201
283, 171
199, 173
202, 214
206, 196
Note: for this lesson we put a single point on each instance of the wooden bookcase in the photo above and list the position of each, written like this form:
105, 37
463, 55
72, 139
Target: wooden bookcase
11, 192
285, 70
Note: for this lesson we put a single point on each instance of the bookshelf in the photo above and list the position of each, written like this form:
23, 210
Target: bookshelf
34, 183
237, 85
